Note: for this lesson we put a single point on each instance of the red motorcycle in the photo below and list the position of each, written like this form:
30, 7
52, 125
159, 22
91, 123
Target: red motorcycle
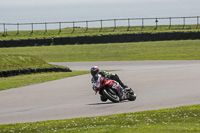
110, 90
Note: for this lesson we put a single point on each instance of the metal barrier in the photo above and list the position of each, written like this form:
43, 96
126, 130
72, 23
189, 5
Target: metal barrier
100, 24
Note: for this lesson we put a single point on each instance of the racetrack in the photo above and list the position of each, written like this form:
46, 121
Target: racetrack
158, 84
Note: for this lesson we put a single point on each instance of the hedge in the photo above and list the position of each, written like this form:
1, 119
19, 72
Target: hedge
116, 38
29, 71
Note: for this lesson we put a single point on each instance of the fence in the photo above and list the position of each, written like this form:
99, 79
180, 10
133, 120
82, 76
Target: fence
169, 21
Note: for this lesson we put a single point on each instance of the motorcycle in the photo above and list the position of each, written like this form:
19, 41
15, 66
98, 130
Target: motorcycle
109, 89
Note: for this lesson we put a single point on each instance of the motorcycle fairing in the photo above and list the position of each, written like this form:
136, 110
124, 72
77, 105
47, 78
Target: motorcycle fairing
101, 82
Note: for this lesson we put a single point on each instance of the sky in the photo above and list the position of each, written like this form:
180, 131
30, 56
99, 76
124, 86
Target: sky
54, 2
73, 10
75, 2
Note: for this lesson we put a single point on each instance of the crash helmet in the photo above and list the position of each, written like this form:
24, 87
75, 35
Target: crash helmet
94, 70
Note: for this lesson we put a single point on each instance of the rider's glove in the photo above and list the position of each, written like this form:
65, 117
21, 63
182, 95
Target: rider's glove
94, 89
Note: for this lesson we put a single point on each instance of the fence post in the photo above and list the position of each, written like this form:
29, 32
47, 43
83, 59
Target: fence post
170, 22
101, 25
4, 28
17, 28
128, 25
142, 24
32, 28
45, 27
197, 22
60, 27
114, 25
183, 22
86, 27
156, 21
73, 27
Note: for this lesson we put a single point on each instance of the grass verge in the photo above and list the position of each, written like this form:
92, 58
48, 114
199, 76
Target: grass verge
24, 80
159, 50
176, 120
79, 31
16, 62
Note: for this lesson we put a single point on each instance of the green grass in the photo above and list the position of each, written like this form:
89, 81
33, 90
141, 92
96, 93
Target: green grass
24, 80
176, 120
159, 50
14, 62
68, 32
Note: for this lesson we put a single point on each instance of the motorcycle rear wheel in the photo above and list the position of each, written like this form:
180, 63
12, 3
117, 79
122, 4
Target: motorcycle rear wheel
111, 95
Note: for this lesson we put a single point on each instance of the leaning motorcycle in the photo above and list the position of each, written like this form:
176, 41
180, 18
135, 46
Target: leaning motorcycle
109, 89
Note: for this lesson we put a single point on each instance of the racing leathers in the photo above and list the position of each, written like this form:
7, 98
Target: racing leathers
115, 77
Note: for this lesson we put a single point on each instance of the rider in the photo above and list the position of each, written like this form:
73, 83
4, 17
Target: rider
95, 71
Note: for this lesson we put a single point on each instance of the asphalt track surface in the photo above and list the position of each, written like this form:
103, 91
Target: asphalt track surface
158, 84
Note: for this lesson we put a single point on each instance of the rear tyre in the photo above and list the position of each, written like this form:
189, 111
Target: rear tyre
111, 95
103, 99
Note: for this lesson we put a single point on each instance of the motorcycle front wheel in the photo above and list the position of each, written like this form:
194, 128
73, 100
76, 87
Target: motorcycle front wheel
111, 95
132, 97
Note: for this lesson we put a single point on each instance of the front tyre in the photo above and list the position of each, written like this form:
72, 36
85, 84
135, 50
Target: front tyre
132, 97
111, 95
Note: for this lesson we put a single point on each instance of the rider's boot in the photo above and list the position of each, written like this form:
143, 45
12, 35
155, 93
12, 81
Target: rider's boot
122, 84
116, 78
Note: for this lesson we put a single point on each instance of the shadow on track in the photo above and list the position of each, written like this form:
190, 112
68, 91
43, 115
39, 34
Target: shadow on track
103, 103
